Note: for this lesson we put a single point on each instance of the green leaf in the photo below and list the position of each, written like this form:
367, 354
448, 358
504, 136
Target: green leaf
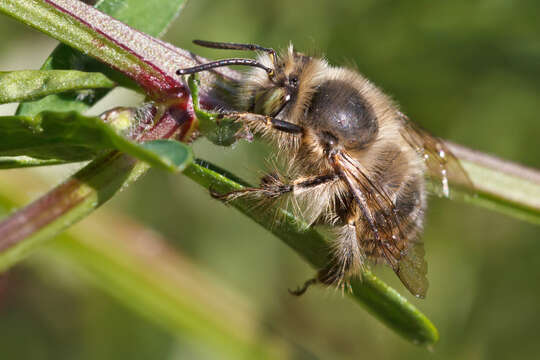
174, 153
511, 194
14, 162
151, 17
111, 253
169, 155
163, 288
17, 86
74, 137
101, 179
115, 44
222, 132
499, 185
378, 298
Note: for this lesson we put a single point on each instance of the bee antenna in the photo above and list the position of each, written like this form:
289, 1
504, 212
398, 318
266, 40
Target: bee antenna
222, 63
236, 46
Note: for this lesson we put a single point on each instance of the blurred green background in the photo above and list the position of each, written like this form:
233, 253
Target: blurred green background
468, 71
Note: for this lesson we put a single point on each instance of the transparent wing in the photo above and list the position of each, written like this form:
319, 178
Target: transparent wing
443, 168
412, 270
379, 229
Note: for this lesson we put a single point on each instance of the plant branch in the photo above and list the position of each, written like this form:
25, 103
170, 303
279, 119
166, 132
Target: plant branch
149, 16
501, 185
152, 64
377, 297
137, 267
26, 85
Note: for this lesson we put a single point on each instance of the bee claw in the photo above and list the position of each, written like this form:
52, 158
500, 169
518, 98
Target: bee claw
298, 292
218, 196
301, 290
226, 197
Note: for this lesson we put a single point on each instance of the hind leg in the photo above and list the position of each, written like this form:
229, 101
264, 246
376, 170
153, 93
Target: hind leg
346, 260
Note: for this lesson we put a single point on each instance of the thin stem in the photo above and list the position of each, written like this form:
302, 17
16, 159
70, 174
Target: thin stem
139, 269
501, 185
377, 297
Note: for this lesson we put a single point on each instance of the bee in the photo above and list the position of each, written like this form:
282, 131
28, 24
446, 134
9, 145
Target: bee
354, 161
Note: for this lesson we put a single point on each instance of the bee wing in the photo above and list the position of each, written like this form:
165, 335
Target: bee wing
443, 168
379, 230
412, 270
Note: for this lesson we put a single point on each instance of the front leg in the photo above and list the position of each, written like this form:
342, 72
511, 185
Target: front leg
262, 123
273, 187
225, 128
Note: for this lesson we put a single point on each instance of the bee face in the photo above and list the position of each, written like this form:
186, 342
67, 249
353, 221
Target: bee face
277, 93
356, 162
303, 90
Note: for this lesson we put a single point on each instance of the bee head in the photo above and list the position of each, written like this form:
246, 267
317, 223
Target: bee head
274, 82
274, 93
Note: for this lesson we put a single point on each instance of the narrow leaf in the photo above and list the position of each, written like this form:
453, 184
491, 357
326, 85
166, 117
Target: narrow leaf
26, 85
82, 193
378, 298
14, 162
147, 61
28, 228
164, 288
101, 37
500, 185
74, 137
151, 17
111, 253
172, 153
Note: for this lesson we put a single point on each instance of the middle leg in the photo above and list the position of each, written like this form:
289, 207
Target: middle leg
272, 187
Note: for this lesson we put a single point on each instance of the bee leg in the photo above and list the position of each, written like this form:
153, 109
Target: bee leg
347, 260
262, 123
272, 187
301, 290
261, 192
327, 277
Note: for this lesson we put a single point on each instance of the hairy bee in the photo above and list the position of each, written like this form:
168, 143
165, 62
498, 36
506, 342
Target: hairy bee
355, 162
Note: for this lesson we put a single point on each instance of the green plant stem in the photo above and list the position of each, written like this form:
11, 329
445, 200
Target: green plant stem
137, 268
500, 185
150, 16
55, 18
378, 298
25, 161
70, 136
66, 204
29, 85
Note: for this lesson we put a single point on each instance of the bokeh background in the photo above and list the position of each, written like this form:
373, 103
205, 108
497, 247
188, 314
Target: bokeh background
468, 71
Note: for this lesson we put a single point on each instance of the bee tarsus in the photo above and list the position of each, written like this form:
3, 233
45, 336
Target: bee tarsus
260, 121
272, 187
301, 290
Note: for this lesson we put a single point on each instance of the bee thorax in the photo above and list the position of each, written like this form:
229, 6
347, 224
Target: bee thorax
341, 114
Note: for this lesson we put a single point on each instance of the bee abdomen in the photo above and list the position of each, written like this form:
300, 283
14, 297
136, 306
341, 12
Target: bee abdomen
403, 227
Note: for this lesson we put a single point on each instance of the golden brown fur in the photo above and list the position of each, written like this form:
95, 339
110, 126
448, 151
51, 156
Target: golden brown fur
353, 161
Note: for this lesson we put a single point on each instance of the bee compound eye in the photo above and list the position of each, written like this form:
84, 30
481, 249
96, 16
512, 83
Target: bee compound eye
293, 81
